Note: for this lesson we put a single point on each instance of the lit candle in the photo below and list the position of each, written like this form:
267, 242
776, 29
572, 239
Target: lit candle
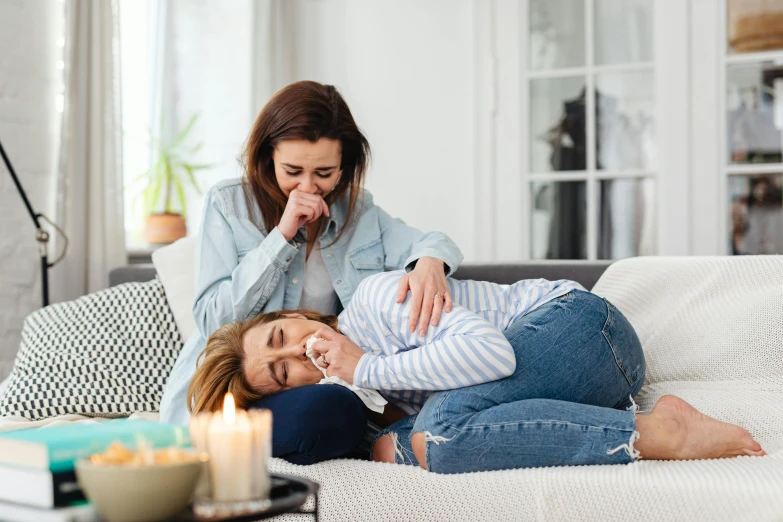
230, 446
239, 446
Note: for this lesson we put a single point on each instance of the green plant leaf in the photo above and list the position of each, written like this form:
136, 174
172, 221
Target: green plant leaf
155, 189
168, 180
157, 179
181, 194
147, 194
172, 171
179, 138
189, 170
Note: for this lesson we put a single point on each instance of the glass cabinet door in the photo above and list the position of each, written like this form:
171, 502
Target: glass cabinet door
753, 91
590, 127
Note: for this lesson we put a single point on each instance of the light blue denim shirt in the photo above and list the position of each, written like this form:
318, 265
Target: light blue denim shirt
242, 271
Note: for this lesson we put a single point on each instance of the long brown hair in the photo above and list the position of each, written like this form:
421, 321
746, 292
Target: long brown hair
302, 111
221, 366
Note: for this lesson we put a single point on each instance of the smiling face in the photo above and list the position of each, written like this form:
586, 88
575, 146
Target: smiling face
275, 355
313, 168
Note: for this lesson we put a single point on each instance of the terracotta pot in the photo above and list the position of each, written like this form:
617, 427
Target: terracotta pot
162, 229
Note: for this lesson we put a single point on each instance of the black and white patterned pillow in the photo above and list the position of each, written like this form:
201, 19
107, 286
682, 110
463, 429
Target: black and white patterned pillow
107, 354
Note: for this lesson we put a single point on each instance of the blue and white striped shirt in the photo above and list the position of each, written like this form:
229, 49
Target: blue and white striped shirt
466, 348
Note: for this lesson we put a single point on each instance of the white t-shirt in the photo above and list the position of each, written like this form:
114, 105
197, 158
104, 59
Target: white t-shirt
317, 292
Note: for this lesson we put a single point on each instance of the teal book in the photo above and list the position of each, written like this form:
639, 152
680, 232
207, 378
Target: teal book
57, 448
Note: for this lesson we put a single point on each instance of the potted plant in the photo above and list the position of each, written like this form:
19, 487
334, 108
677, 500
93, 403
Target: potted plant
168, 177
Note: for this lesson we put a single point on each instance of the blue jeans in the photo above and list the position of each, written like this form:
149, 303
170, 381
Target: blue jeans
579, 362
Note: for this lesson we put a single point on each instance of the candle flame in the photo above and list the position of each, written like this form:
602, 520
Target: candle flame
229, 409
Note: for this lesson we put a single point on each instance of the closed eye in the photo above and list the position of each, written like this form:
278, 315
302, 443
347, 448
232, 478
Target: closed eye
322, 175
273, 373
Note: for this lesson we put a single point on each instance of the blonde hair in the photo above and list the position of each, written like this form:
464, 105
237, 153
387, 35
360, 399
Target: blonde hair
221, 366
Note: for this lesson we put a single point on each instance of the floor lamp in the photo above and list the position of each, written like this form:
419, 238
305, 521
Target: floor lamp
41, 235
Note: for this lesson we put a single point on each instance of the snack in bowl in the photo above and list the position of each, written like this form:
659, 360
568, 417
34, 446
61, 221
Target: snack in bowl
143, 485
117, 453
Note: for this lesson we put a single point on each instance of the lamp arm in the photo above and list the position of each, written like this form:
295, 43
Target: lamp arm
22, 193
42, 236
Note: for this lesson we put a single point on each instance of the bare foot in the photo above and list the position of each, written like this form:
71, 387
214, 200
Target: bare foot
675, 430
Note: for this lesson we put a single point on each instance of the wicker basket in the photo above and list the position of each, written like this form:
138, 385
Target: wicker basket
758, 32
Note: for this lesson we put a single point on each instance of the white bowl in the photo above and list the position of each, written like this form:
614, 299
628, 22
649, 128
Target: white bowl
127, 493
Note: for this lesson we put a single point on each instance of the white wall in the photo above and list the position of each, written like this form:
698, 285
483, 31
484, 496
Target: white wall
29, 131
404, 67
406, 70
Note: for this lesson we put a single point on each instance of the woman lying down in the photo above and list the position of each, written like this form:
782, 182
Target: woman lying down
537, 373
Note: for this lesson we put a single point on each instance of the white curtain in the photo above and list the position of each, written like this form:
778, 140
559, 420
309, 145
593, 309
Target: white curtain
89, 202
273, 49
162, 92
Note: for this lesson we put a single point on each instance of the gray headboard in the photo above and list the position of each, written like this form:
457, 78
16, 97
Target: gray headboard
584, 272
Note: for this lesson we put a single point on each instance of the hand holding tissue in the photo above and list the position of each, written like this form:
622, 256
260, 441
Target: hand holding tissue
371, 398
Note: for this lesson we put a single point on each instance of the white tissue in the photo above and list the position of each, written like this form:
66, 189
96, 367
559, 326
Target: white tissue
371, 398
309, 352
309, 346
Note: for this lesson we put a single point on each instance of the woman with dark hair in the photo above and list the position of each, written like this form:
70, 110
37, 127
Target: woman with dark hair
299, 231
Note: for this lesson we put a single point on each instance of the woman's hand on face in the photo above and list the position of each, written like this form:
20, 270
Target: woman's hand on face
424, 281
338, 354
301, 208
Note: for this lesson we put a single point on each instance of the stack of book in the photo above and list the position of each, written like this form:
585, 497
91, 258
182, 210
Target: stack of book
37, 479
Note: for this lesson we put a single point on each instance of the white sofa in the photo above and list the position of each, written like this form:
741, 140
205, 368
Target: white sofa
712, 331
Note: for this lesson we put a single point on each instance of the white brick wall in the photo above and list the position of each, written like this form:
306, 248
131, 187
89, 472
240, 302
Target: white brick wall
29, 131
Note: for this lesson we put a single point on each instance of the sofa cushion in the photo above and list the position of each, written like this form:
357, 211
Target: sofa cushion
175, 265
107, 354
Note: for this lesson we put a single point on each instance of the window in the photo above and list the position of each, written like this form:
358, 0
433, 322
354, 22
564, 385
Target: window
136, 56
589, 122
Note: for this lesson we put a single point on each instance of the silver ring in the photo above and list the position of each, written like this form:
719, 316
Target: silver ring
323, 358
438, 296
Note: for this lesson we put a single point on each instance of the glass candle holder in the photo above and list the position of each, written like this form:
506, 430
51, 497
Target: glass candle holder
236, 478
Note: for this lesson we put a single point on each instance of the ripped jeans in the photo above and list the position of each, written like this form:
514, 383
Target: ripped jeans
569, 401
